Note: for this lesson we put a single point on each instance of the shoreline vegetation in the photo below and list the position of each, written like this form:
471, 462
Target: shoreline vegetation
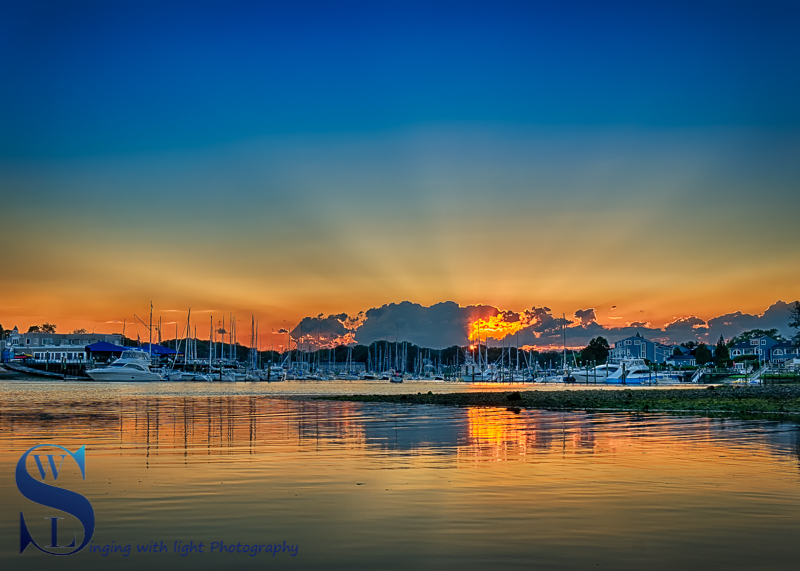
776, 401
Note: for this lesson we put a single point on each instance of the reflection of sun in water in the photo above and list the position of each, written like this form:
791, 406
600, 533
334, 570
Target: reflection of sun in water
494, 432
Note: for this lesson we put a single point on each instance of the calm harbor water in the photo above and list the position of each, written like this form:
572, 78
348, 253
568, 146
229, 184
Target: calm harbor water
363, 486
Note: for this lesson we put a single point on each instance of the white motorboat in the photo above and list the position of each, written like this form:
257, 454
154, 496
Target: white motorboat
230, 376
552, 378
475, 372
171, 375
627, 371
477, 376
132, 366
600, 373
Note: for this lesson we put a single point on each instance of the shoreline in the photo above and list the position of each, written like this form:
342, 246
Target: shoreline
782, 402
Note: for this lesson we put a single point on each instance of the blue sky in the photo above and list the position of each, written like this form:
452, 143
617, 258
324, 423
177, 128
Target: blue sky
291, 159
86, 78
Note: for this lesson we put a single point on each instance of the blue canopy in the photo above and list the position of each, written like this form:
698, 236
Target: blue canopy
103, 347
158, 349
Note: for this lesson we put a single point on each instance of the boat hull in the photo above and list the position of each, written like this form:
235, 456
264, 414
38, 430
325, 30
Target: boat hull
106, 375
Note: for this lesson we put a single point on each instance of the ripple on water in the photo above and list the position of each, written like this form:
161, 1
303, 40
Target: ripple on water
398, 486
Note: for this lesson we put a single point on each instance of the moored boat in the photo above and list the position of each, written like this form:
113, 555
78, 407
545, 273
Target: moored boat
132, 366
626, 371
273, 374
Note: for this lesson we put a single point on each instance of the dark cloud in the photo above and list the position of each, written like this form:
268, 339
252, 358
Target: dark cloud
685, 325
586, 316
731, 324
542, 321
440, 325
330, 327
445, 324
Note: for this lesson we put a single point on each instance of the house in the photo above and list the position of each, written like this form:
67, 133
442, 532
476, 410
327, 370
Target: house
783, 352
48, 347
682, 361
760, 347
637, 347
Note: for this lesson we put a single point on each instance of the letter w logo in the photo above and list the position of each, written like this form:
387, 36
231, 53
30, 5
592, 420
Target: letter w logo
43, 470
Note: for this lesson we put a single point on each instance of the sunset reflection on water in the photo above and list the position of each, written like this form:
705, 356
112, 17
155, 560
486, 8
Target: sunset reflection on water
393, 486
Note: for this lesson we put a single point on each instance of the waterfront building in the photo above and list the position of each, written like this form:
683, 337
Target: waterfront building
760, 347
783, 352
683, 350
682, 361
55, 347
638, 347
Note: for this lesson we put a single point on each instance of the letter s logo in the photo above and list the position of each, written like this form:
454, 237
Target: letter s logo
54, 497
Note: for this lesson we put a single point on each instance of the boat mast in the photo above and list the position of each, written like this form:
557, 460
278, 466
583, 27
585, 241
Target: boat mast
186, 345
150, 329
564, 331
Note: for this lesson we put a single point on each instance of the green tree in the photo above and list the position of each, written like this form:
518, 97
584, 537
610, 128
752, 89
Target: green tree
702, 355
721, 353
43, 328
747, 335
676, 351
597, 350
794, 321
80, 331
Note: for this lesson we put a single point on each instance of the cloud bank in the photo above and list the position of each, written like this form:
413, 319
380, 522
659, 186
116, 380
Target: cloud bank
447, 323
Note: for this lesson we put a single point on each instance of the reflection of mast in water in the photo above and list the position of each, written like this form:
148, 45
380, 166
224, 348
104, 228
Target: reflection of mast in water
185, 432
231, 419
208, 426
252, 403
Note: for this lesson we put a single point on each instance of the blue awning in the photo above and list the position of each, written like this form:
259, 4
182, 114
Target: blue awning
103, 347
158, 349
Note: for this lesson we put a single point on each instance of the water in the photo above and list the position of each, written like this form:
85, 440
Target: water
364, 486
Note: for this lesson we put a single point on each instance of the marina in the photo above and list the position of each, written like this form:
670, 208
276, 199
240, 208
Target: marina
398, 286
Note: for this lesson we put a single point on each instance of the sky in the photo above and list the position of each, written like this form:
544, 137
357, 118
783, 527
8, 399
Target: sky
290, 160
